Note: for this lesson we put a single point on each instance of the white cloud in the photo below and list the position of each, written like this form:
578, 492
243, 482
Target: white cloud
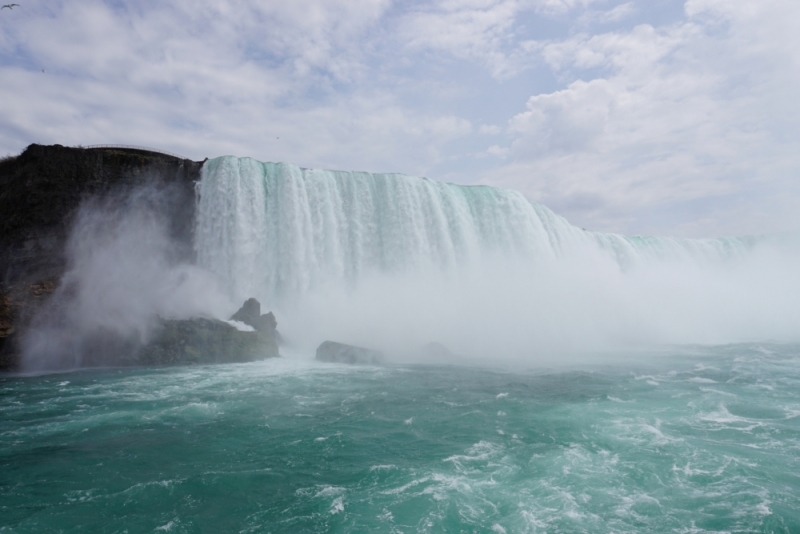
680, 115
205, 78
478, 30
601, 15
610, 115
497, 151
489, 32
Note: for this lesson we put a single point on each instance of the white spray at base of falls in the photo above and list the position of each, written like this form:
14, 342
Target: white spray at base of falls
394, 261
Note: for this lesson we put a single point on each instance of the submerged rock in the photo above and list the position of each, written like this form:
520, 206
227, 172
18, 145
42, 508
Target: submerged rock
200, 340
333, 352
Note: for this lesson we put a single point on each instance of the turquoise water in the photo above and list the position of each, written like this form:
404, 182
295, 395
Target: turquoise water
688, 440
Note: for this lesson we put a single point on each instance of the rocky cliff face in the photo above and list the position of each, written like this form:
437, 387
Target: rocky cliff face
40, 193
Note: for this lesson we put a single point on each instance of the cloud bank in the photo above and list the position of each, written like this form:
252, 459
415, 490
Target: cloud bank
644, 117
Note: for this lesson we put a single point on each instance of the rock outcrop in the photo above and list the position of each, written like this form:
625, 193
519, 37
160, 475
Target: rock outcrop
250, 314
333, 352
41, 191
201, 341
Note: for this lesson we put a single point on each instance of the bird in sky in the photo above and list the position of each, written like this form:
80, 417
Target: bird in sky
10, 6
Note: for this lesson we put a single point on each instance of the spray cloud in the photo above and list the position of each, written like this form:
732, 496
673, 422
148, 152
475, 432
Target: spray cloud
394, 262
124, 269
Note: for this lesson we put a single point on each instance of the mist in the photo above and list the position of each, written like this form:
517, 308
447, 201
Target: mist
507, 311
124, 270
394, 263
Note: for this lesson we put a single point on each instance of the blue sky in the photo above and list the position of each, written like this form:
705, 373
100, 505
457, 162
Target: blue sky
660, 117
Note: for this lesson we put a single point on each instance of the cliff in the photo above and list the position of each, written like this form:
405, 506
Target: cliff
40, 192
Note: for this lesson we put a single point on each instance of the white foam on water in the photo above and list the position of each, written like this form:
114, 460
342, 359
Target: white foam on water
386, 467
405, 487
701, 380
721, 418
166, 527
337, 506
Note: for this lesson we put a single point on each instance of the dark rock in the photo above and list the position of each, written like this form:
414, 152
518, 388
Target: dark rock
333, 352
40, 193
201, 341
266, 323
18, 304
250, 314
6, 332
41, 189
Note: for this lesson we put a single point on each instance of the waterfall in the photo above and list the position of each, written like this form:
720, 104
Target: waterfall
318, 243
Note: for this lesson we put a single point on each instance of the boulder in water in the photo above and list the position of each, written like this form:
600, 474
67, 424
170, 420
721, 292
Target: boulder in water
333, 352
250, 314
250, 310
200, 340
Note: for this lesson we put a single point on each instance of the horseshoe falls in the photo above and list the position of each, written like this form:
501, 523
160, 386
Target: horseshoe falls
396, 262
579, 382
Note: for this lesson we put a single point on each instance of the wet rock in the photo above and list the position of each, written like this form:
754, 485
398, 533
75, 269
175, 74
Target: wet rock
333, 352
41, 191
250, 314
202, 341
18, 303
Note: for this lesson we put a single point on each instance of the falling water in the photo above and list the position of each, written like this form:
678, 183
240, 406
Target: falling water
394, 260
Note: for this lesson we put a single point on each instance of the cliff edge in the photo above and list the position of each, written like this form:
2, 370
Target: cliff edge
41, 190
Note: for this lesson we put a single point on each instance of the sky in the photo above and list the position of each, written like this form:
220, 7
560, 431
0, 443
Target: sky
642, 117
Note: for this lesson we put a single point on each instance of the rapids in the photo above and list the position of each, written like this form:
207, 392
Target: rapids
686, 439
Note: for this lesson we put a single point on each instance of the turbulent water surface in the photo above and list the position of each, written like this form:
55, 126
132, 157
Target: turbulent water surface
686, 440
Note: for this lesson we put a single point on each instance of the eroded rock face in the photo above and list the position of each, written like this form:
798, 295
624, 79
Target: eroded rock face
250, 314
333, 352
41, 191
18, 304
201, 341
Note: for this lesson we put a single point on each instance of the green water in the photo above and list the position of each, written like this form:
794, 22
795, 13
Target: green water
693, 440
